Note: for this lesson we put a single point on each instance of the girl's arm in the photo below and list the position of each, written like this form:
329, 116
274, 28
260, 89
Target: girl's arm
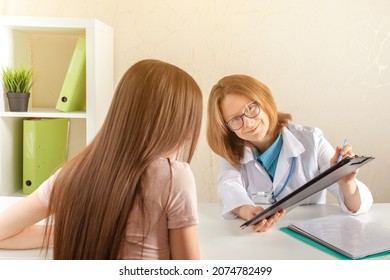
18, 229
184, 243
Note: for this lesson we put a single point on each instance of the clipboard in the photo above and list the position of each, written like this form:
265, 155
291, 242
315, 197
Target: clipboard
318, 183
343, 234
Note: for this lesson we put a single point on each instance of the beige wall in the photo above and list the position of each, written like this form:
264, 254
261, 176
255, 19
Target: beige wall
327, 62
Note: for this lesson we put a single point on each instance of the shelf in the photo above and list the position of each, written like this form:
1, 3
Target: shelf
48, 24
18, 193
47, 44
44, 112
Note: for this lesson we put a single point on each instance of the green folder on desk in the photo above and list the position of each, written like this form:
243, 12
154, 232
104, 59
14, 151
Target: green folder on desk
44, 150
343, 236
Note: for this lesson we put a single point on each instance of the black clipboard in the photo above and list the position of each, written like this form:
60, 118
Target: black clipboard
318, 183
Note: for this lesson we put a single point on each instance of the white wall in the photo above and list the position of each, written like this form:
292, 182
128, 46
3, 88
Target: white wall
327, 62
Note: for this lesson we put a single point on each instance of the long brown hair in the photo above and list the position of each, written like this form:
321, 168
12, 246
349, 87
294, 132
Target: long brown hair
220, 138
156, 110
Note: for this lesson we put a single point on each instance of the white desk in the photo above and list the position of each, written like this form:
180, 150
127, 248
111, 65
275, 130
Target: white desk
222, 240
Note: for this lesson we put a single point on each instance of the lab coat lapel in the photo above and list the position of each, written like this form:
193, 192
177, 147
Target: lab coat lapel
248, 157
292, 147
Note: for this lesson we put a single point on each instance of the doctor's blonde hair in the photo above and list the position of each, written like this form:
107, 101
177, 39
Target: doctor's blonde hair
220, 138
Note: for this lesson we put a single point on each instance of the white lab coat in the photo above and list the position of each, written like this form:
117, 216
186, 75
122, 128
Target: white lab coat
312, 152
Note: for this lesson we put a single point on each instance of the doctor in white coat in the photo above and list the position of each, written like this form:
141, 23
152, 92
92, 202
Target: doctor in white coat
264, 157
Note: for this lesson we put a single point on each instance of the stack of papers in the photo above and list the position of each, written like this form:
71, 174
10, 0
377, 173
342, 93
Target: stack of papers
345, 234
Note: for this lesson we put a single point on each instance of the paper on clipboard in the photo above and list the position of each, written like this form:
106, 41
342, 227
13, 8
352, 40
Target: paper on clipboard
330, 176
347, 235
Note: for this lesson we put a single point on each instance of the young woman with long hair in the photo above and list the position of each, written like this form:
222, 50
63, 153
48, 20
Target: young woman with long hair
130, 194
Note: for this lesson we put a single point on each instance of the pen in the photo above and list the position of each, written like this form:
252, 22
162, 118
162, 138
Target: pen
344, 144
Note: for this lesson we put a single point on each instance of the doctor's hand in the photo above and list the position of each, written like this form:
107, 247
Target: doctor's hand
345, 151
347, 184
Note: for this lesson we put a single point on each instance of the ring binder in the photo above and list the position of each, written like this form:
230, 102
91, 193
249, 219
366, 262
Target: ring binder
44, 150
72, 96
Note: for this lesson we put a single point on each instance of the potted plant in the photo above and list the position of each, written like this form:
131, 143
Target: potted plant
17, 82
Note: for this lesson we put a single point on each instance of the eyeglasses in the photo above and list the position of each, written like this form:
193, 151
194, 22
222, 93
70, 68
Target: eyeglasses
252, 111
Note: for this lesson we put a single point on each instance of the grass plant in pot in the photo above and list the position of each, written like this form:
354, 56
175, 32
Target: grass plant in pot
17, 82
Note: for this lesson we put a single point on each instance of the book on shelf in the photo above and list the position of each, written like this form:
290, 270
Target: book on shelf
45, 143
351, 236
73, 91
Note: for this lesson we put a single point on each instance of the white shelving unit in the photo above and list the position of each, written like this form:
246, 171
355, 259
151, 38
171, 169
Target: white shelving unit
47, 44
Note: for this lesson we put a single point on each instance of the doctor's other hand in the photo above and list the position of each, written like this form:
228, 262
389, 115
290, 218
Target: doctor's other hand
266, 224
247, 212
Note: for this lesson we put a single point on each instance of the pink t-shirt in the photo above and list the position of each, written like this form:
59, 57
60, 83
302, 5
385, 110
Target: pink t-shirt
165, 209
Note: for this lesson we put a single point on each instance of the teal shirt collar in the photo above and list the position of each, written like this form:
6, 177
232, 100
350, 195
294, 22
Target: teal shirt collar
269, 159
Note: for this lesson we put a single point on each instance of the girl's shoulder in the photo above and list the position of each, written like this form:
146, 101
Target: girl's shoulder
181, 170
161, 174
179, 165
178, 168
175, 164
179, 173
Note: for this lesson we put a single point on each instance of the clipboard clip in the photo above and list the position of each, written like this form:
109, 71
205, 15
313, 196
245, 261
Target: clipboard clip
363, 159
